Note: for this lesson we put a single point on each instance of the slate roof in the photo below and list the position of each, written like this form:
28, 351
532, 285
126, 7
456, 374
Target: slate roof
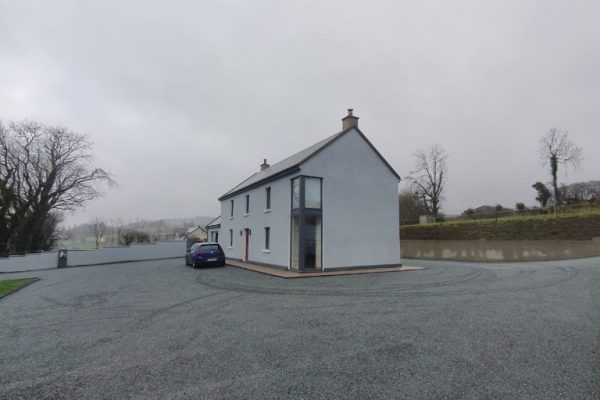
292, 164
214, 222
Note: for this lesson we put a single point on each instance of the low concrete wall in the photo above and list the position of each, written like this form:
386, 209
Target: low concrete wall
500, 250
108, 255
47, 259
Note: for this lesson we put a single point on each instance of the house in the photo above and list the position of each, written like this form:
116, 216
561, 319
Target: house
331, 205
180, 234
197, 234
212, 229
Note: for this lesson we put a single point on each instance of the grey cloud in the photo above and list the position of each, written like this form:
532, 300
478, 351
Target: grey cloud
173, 92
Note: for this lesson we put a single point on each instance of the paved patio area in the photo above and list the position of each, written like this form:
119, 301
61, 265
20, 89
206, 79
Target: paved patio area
291, 274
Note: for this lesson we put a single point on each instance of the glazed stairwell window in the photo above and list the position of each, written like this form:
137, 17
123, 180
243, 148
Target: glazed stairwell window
306, 243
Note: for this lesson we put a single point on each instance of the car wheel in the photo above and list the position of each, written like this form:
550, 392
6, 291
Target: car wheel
194, 265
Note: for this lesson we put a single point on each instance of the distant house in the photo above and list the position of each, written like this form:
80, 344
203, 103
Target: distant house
331, 205
194, 233
180, 234
213, 228
197, 234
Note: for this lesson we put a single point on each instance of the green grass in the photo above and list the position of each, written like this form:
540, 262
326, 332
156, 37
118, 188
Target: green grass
12, 285
510, 218
576, 225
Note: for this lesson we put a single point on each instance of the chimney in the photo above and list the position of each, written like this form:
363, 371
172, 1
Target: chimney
349, 121
264, 165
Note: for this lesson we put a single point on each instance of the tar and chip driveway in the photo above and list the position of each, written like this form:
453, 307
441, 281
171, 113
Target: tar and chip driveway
162, 330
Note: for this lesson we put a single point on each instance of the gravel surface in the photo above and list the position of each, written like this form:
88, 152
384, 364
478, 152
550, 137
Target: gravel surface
161, 330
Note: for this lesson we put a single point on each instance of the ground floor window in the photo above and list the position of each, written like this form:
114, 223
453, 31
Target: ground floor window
267, 238
231, 238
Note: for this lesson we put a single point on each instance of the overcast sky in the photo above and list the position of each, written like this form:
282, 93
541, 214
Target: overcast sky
183, 99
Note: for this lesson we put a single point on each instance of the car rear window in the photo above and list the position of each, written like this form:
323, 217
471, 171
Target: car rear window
209, 247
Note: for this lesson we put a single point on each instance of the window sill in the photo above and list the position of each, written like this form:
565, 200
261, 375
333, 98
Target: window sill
245, 215
230, 247
266, 251
268, 210
230, 217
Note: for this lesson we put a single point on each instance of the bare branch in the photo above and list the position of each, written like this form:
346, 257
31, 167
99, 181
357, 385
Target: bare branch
428, 178
556, 149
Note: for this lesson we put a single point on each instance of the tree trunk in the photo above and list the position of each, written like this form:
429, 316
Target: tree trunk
554, 167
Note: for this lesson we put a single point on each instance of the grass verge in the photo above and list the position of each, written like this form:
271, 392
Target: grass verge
12, 285
573, 226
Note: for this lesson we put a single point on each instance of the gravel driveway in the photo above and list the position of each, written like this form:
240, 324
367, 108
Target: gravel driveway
161, 330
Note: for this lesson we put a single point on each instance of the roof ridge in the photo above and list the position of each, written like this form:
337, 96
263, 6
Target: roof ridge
279, 166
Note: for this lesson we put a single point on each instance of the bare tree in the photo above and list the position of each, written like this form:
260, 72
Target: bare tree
118, 225
579, 192
44, 171
98, 228
429, 177
556, 149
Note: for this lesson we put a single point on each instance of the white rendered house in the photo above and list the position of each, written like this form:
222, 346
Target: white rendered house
331, 205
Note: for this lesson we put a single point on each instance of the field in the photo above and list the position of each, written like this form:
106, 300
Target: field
568, 226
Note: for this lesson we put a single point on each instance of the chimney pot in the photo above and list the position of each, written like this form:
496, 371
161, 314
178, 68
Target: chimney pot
349, 121
264, 165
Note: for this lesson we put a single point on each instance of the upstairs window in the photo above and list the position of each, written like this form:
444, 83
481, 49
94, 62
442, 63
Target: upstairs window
268, 198
247, 204
312, 192
306, 193
231, 209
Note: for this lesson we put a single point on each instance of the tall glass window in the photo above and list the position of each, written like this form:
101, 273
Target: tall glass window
306, 224
296, 193
312, 192
312, 242
295, 250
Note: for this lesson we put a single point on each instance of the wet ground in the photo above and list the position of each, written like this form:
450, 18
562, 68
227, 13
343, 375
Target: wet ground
162, 330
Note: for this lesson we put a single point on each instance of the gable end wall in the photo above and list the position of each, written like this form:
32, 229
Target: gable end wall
360, 204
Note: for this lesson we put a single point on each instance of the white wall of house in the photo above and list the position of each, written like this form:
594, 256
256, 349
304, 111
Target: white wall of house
278, 219
211, 232
360, 204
